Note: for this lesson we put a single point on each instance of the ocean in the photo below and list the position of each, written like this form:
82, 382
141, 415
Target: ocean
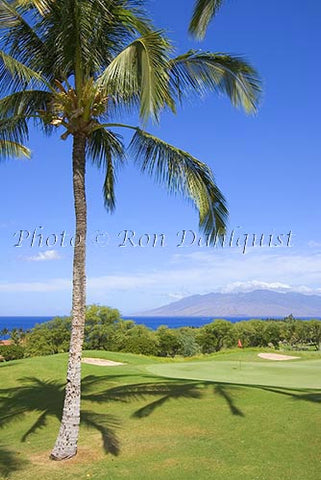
152, 322
27, 323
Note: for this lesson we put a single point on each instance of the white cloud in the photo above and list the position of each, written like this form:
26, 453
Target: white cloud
255, 285
44, 256
276, 286
197, 273
201, 272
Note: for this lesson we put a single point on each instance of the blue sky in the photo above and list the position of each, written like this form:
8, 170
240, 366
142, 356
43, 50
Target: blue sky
267, 166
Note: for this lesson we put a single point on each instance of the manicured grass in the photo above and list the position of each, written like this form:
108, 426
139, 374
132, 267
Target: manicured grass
157, 428
290, 373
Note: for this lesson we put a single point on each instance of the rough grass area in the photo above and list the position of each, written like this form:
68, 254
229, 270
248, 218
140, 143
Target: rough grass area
138, 424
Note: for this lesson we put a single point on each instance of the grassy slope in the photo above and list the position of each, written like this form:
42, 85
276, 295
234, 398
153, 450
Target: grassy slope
168, 429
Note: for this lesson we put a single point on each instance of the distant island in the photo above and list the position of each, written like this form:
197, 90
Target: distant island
258, 303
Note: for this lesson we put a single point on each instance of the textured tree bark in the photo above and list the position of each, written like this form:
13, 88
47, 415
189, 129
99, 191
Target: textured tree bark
66, 443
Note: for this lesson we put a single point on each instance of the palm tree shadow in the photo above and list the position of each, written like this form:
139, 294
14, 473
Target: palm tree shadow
166, 392
46, 399
302, 394
223, 392
106, 425
142, 391
10, 462
171, 389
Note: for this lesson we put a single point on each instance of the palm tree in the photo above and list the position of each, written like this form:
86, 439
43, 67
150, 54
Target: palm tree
73, 65
204, 11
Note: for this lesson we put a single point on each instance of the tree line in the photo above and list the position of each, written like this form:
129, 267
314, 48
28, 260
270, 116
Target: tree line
106, 330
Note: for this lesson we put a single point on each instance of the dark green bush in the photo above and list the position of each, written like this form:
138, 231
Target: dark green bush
11, 352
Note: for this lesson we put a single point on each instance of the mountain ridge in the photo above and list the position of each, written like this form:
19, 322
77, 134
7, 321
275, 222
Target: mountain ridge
258, 303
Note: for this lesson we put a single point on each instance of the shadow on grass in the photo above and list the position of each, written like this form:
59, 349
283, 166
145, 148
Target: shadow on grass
313, 396
45, 398
222, 391
10, 462
165, 391
5, 364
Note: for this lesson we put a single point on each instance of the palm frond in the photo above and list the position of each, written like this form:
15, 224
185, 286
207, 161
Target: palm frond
133, 19
14, 129
107, 151
25, 103
9, 149
198, 72
43, 6
182, 173
21, 39
16, 75
96, 29
139, 74
8, 15
204, 11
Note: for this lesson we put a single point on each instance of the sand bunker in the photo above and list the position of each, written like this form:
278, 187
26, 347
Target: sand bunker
276, 356
101, 362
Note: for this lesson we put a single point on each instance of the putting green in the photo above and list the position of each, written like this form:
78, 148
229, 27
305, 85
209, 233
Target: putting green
292, 374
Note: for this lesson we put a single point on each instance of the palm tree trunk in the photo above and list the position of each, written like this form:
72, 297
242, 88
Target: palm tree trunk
66, 443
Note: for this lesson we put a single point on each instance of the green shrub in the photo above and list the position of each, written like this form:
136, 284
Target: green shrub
11, 352
49, 338
168, 341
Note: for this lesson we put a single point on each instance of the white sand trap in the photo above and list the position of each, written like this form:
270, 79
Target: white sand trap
276, 356
101, 362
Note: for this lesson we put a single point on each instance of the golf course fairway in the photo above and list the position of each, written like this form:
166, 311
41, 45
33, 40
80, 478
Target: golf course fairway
292, 374
147, 418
